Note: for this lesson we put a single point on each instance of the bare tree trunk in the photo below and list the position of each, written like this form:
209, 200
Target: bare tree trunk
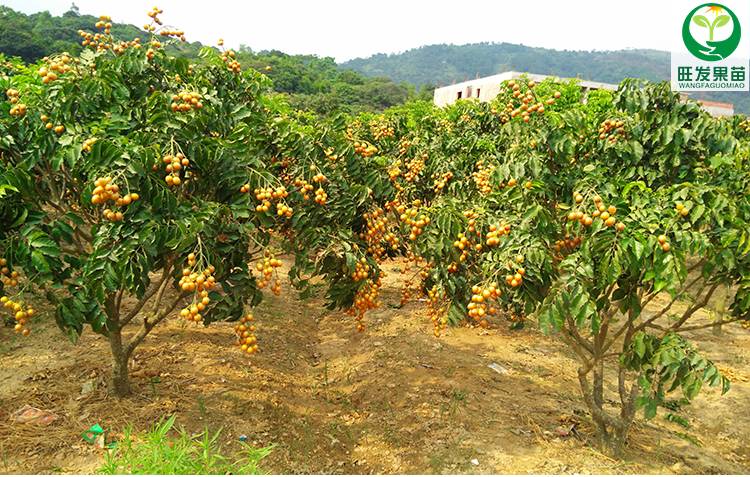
719, 309
120, 383
594, 404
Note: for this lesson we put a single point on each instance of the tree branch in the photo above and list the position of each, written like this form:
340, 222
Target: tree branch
696, 306
162, 288
577, 336
147, 296
149, 325
690, 269
668, 306
715, 323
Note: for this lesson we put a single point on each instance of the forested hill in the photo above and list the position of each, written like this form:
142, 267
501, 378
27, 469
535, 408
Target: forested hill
311, 82
444, 64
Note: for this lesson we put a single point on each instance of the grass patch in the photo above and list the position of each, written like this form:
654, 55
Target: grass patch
163, 451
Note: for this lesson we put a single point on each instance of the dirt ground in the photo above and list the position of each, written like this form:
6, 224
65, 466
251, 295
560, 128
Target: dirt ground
391, 400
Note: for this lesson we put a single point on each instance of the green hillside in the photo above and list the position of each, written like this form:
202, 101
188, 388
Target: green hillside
311, 82
444, 64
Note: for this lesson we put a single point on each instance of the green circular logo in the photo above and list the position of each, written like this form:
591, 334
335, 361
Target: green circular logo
715, 32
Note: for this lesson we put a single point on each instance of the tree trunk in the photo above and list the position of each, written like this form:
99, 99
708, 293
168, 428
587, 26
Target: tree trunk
720, 308
120, 382
593, 401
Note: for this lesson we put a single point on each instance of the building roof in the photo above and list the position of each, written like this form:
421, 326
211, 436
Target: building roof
499, 78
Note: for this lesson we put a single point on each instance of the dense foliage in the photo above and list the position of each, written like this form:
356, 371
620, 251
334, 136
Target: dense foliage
446, 64
138, 186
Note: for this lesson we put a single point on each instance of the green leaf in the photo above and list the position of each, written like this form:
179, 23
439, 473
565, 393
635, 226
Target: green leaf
720, 21
39, 262
6, 187
701, 21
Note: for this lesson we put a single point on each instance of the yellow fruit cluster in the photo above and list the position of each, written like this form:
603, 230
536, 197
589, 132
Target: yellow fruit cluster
436, 310
87, 144
364, 300
233, 65
381, 130
186, 101
173, 164
495, 233
376, 226
59, 64
361, 270
414, 167
18, 109
268, 267
567, 244
364, 149
441, 181
192, 281
331, 155
394, 171
266, 194
173, 33
320, 196
529, 104
198, 283
20, 313
403, 146
605, 213
681, 209
479, 306
611, 130
304, 188
664, 243
245, 331
154, 15
104, 23
122, 46
7, 277
415, 220
515, 280
482, 177
107, 191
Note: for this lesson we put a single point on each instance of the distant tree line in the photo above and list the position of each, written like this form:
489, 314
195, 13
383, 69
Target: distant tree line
445, 64
311, 82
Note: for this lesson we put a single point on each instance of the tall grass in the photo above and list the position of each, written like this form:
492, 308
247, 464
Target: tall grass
155, 452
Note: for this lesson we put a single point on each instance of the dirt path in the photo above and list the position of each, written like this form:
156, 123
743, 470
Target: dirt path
391, 400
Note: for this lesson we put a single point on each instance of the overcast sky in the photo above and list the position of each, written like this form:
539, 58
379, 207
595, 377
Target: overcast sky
349, 29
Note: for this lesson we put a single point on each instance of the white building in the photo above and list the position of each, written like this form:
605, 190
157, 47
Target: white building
485, 89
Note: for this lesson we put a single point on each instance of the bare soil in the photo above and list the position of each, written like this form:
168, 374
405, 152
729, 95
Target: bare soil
393, 399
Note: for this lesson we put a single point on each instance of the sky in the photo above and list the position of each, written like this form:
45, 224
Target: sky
351, 29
